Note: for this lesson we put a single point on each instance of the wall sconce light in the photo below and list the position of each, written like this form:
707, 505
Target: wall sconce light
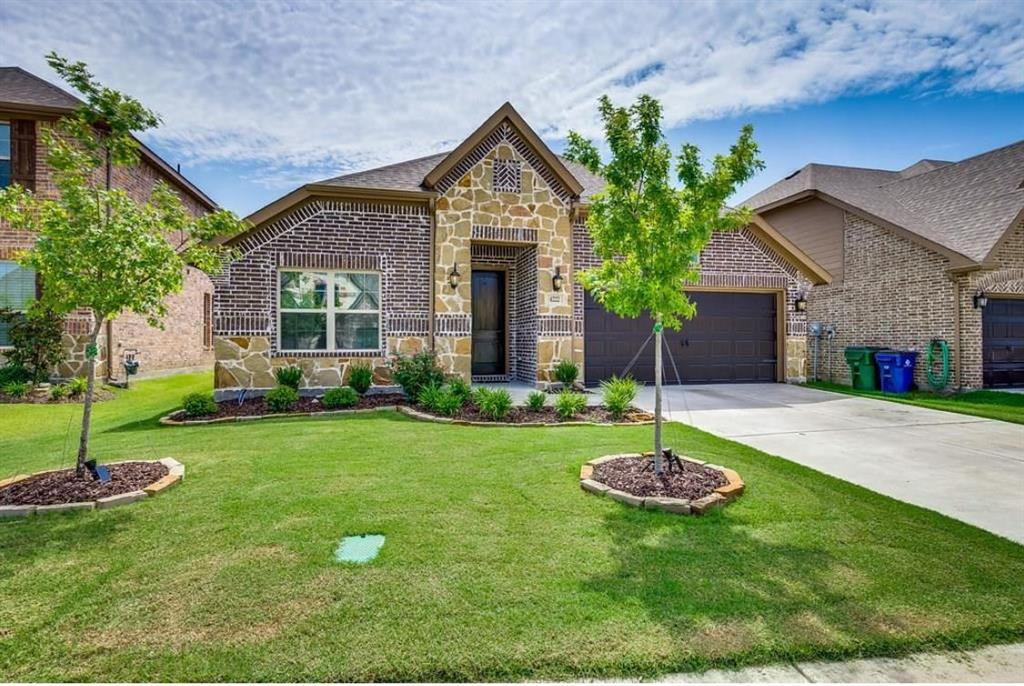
557, 279
800, 304
980, 301
454, 276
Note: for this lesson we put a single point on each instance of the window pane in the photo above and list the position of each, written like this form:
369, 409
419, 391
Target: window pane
303, 291
5, 173
17, 286
5, 333
300, 331
356, 332
5, 141
357, 291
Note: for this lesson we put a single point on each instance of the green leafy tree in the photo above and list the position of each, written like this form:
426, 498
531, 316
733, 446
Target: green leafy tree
98, 249
647, 230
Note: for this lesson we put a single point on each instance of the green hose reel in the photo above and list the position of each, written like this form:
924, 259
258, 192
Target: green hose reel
938, 380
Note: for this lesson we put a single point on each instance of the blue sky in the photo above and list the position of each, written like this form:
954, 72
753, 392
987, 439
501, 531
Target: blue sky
258, 98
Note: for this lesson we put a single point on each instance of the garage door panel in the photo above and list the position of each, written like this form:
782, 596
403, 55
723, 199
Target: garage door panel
732, 338
1003, 343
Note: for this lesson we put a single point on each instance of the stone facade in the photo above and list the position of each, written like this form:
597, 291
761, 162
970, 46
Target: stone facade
897, 293
182, 342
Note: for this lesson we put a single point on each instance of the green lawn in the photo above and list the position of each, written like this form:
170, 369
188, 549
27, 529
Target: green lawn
496, 565
1009, 407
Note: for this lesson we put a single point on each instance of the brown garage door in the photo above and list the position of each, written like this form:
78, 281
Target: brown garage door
1003, 343
732, 339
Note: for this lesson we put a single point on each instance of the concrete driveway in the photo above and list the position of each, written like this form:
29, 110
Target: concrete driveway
965, 467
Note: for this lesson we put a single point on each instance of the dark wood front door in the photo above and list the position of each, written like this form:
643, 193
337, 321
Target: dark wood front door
488, 322
732, 339
1003, 343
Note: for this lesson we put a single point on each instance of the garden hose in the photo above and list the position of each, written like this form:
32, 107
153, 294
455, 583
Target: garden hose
940, 380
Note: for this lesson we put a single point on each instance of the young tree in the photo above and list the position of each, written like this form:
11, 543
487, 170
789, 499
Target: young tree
648, 232
97, 249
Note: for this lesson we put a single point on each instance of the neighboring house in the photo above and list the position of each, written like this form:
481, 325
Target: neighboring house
28, 104
471, 254
933, 251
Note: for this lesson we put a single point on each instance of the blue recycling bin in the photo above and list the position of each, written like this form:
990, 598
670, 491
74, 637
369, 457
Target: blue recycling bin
896, 370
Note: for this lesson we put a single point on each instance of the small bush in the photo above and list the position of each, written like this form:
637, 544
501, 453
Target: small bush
16, 389
345, 396
360, 377
78, 386
290, 376
569, 404
13, 373
440, 400
618, 395
494, 403
282, 398
535, 401
461, 388
58, 392
199, 404
415, 373
566, 372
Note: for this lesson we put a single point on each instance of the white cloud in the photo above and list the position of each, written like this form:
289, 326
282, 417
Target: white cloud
304, 90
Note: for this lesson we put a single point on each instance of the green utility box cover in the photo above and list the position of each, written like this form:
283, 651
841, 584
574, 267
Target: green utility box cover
863, 373
359, 549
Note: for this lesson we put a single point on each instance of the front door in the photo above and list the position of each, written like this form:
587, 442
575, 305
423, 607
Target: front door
488, 322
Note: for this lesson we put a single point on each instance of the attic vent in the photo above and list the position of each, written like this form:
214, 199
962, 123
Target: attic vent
508, 176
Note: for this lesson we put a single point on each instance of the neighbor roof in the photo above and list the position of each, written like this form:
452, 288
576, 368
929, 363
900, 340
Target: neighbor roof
23, 92
963, 208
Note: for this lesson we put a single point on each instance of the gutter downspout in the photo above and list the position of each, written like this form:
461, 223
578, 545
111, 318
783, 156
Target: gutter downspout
958, 373
433, 272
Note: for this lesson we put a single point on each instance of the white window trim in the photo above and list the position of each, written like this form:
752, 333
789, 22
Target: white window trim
330, 311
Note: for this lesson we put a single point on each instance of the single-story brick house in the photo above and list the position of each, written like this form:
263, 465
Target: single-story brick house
471, 254
933, 251
28, 104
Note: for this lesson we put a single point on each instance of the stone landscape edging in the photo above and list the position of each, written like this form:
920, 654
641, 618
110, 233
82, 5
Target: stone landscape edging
426, 417
168, 420
175, 474
719, 497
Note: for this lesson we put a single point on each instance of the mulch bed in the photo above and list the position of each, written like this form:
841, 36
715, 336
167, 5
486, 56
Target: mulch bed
522, 415
254, 407
636, 476
99, 395
56, 488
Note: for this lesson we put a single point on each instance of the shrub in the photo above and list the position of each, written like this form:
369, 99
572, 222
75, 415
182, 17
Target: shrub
535, 401
441, 400
360, 377
16, 389
345, 396
289, 376
461, 388
36, 340
494, 403
566, 372
618, 395
11, 373
58, 392
569, 404
78, 386
415, 373
199, 404
282, 398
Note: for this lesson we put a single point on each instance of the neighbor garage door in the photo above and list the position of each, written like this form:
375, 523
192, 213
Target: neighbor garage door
1003, 343
732, 339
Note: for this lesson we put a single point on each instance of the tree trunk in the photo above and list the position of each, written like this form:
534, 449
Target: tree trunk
657, 396
90, 366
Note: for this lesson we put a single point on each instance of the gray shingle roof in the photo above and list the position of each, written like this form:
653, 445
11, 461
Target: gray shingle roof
964, 206
17, 86
408, 176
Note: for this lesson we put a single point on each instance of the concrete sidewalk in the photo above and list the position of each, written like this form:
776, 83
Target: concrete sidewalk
965, 467
994, 664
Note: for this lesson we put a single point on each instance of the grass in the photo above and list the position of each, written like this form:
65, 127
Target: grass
496, 565
1008, 407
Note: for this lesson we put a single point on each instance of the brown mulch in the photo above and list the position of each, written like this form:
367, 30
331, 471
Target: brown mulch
254, 407
636, 476
522, 415
55, 488
98, 396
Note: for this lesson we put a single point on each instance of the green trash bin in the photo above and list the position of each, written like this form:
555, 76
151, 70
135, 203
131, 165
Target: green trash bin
863, 373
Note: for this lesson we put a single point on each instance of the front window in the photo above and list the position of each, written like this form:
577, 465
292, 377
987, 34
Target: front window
335, 311
17, 290
5, 154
